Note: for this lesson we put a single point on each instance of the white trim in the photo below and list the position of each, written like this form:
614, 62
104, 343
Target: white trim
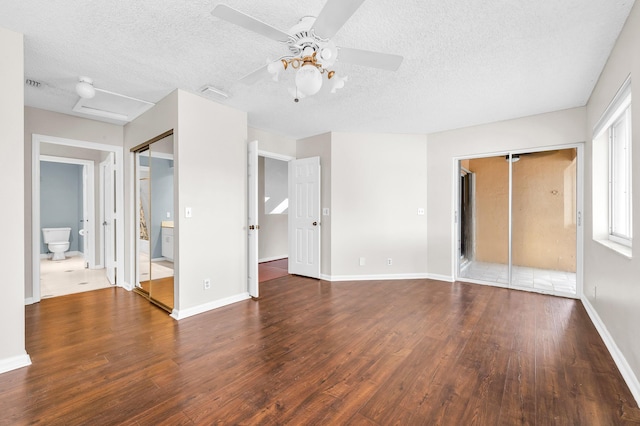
438, 277
272, 258
377, 277
29, 301
275, 155
88, 188
621, 362
36, 140
620, 101
205, 307
14, 362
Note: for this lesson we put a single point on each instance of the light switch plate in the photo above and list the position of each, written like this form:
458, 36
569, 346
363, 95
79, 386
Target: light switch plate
187, 212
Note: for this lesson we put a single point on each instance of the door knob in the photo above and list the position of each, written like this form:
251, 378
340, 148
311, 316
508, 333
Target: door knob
315, 223
252, 227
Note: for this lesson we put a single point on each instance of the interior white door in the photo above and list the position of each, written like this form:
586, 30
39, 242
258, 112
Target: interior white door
252, 219
109, 219
304, 217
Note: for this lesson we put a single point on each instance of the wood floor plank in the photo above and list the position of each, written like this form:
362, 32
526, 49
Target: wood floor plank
313, 352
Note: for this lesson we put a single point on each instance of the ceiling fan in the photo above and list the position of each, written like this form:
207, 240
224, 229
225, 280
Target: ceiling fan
311, 51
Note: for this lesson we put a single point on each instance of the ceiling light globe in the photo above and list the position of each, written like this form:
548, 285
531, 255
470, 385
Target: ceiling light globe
308, 80
85, 89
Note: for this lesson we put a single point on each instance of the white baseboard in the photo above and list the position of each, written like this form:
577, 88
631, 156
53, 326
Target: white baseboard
14, 362
127, 286
438, 277
621, 362
378, 277
185, 313
272, 258
29, 301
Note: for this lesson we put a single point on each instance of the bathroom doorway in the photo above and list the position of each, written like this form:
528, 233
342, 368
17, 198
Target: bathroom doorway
72, 203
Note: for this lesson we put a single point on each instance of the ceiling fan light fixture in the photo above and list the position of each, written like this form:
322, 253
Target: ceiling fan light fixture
85, 89
308, 80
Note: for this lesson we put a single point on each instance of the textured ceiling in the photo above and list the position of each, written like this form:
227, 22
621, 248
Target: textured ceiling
465, 62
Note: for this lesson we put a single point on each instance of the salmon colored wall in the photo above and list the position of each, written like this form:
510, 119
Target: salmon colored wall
544, 194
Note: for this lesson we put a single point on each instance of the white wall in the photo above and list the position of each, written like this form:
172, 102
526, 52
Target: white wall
272, 142
12, 333
378, 182
616, 277
42, 122
555, 128
210, 177
211, 147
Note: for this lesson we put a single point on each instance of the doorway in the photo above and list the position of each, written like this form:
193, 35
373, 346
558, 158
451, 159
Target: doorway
83, 269
518, 224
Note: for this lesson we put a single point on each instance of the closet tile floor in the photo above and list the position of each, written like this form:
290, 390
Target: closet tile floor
60, 277
523, 277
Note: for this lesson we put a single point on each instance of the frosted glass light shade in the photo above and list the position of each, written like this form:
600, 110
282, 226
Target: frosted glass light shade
85, 89
308, 80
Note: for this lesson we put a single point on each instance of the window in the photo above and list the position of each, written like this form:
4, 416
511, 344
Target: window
620, 223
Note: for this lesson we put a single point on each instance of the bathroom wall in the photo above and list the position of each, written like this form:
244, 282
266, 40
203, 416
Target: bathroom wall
61, 200
161, 201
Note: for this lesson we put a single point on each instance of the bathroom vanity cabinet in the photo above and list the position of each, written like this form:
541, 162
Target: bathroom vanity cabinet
167, 242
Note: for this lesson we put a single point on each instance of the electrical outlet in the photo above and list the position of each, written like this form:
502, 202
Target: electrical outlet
595, 292
207, 283
363, 261
389, 262
420, 212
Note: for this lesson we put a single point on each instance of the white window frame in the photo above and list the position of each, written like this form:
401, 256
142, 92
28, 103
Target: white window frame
626, 203
603, 133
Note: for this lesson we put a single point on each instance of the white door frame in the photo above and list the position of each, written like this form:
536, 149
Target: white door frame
88, 203
36, 140
579, 209
253, 259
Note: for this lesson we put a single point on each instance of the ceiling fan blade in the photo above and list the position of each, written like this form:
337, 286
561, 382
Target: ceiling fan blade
333, 16
383, 61
255, 76
243, 20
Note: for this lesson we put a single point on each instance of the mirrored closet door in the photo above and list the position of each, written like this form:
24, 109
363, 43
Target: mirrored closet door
154, 173
518, 221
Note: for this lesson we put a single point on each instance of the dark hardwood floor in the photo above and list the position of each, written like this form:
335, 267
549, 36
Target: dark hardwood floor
313, 352
275, 269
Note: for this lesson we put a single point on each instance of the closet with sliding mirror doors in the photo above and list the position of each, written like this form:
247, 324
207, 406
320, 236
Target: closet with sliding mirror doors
154, 192
520, 220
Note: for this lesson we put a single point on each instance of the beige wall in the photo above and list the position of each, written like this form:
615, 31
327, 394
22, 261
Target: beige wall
544, 130
611, 281
320, 146
48, 123
12, 350
274, 228
212, 180
378, 182
210, 175
271, 142
544, 228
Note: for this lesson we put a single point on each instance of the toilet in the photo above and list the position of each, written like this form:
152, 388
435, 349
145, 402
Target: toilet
57, 240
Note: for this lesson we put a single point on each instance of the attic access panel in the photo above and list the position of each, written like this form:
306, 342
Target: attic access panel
113, 106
